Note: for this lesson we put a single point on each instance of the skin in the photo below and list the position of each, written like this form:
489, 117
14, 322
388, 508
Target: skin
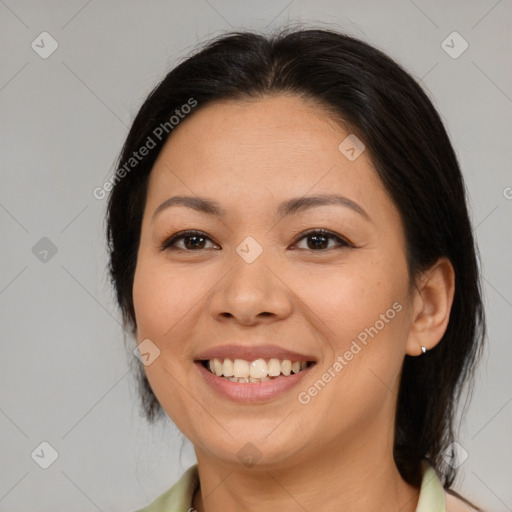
249, 156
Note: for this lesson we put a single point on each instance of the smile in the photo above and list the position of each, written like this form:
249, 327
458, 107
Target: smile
258, 370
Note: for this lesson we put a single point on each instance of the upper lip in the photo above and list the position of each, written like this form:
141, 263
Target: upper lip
251, 353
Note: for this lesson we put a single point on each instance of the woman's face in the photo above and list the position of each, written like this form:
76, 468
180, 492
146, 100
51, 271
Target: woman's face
253, 284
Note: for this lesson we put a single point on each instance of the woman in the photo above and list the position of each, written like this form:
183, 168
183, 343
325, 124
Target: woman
292, 252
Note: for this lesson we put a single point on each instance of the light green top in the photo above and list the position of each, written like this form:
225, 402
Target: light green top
179, 497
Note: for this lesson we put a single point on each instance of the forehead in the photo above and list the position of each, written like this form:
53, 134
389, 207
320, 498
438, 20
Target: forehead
289, 123
259, 150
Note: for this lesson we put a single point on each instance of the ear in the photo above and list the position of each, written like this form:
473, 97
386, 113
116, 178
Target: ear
432, 303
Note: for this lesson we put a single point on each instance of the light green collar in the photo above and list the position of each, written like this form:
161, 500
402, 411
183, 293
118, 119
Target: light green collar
432, 496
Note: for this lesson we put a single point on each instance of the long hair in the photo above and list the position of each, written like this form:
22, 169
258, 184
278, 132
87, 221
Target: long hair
412, 154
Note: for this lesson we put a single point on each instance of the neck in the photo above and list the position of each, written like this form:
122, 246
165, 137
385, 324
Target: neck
349, 475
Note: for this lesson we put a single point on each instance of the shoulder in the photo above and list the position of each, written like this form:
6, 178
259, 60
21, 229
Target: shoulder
434, 497
179, 497
456, 503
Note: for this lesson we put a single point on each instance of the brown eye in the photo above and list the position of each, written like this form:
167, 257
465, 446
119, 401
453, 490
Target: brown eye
318, 240
192, 241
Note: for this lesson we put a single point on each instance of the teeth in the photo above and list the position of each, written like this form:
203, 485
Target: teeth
259, 370
227, 368
286, 367
263, 379
274, 367
241, 368
217, 367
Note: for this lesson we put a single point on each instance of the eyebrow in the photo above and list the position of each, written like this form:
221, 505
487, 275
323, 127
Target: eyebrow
288, 207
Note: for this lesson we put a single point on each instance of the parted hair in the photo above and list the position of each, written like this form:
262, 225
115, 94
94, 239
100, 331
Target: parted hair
410, 149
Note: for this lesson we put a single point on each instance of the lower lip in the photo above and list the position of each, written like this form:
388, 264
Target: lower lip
251, 392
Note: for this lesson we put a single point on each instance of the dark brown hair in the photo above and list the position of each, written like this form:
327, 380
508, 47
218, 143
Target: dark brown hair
410, 149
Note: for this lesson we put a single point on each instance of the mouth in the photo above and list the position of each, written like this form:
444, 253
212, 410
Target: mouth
259, 370
252, 374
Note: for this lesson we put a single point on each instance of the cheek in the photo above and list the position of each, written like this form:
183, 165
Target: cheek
159, 298
350, 299
164, 295
363, 313
147, 300
161, 303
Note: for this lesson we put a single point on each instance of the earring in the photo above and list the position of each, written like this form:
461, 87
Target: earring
424, 349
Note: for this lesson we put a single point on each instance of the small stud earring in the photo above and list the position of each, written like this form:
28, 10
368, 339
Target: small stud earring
424, 349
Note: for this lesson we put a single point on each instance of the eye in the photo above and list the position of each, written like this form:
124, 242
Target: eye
320, 240
196, 241
193, 241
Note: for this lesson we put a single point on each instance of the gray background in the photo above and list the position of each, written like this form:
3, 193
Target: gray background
64, 371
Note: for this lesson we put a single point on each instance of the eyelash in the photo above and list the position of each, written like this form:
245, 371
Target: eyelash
168, 244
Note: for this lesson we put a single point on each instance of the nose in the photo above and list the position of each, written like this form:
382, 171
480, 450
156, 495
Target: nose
251, 293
